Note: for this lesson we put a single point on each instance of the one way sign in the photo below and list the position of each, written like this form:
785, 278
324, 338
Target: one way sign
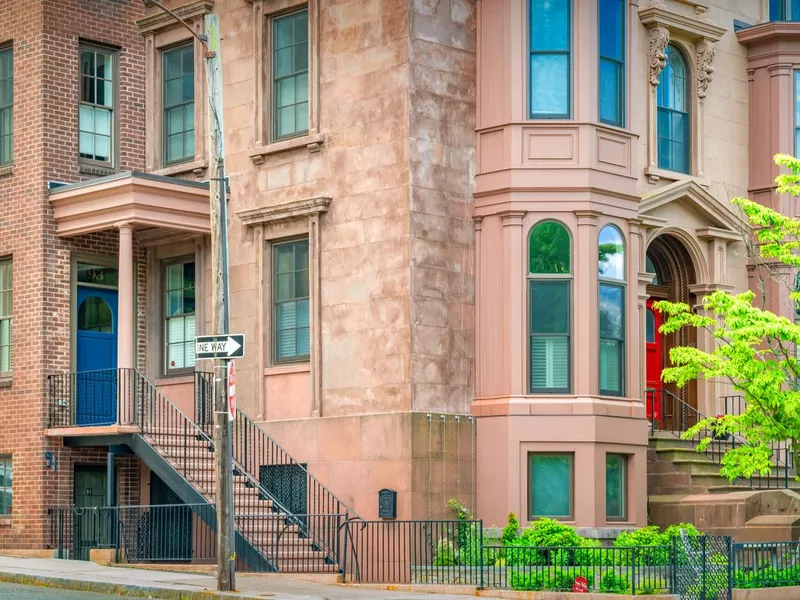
219, 346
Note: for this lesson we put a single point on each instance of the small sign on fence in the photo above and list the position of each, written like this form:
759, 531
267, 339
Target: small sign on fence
581, 585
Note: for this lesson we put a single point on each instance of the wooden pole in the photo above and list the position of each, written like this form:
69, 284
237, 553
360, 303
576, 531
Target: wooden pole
223, 460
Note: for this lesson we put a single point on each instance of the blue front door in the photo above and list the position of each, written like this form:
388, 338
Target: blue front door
96, 357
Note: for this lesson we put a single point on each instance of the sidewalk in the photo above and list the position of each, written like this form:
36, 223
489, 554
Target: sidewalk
87, 576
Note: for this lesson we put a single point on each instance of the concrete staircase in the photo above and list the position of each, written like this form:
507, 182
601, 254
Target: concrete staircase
273, 533
685, 486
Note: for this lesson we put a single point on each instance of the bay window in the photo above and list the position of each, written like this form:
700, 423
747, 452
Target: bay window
550, 57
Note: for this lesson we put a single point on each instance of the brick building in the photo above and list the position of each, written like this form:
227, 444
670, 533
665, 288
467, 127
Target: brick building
396, 169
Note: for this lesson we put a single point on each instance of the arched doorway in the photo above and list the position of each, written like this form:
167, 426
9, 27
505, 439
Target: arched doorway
670, 262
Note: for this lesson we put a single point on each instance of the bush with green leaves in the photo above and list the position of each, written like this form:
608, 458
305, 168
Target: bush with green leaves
549, 579
766, 577
510, 531
614, 583
445, 554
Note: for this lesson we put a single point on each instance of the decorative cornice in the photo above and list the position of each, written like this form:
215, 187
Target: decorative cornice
706, 51
659, 38
162, 20
715, 233
769, 32
286, 211
694, 29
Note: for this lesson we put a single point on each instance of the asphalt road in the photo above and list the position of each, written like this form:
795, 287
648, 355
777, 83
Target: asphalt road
11, 591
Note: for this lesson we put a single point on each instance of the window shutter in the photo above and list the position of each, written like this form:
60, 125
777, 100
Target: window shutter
549, 362
610, 366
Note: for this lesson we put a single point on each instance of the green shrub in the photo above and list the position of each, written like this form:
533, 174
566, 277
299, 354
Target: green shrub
649, 542
674, 531
613, 583
469, 552
445, 555
551, 579
548, 533
510, 531
766, 577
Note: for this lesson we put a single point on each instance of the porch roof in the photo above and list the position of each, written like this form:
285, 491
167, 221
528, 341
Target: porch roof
142, 200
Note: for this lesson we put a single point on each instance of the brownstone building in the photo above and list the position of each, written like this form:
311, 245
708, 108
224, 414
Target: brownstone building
396, 168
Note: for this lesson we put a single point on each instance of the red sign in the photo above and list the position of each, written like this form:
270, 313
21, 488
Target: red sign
580, 585
231, 390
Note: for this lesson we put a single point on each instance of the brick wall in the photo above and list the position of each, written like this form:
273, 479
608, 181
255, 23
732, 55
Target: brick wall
45, 36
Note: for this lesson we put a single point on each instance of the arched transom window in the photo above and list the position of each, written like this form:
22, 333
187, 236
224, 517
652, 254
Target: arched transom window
611, 299
549, 306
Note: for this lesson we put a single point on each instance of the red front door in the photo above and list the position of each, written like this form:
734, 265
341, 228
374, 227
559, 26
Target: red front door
655, 361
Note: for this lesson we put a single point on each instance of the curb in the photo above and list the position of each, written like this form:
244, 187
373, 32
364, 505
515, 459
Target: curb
121, 589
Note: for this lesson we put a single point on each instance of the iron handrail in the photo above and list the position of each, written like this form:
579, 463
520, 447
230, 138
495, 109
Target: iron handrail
253, 507
681, 417
253, 448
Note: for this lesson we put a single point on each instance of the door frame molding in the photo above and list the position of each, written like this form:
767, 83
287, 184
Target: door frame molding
105, 260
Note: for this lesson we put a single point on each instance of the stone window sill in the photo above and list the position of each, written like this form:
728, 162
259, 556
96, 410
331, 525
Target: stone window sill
96, 170
303, 367
5, 521
6, 380
313, 142
196, 167
655, 174
6, 170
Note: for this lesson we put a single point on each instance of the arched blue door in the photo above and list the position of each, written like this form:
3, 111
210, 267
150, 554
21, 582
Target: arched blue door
96, 357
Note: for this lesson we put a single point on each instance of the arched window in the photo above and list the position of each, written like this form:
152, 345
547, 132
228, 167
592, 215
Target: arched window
673, 113
95, 315
611, 74
550, 46
549, 306
611, 299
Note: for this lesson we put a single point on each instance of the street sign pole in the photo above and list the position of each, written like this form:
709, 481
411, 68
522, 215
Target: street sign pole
223, 455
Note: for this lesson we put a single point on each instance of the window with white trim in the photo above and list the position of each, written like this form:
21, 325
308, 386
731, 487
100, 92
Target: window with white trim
179, 316
96, 120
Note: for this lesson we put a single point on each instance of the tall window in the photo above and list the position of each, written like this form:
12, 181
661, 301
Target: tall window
6, 106
290, 74
616, 487
96, 118
611, 270
784, 10
673, 113
290, 298
550, 33
180, 326
6, 316
178, 119
549, 305
6, 479
611, 89
550, 478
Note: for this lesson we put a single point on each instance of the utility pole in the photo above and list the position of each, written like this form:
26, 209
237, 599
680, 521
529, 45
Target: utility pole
220, 321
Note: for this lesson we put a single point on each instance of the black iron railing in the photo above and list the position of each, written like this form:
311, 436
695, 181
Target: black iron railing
181, 533
734, 405
257, 453
766, 564
673, 415
91, 398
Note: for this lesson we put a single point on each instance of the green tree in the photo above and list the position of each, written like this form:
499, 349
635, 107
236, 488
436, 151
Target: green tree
755, 350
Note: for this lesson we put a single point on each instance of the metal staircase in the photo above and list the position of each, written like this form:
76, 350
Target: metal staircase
272, 532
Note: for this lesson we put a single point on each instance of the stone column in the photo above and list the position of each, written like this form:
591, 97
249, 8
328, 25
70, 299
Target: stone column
585, 334
636, 316
513, 302
125, 316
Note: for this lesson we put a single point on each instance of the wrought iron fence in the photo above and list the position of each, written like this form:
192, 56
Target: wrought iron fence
634, 570
766, 564
432, 551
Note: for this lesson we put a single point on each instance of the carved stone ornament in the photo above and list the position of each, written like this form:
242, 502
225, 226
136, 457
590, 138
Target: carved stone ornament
659, 38
706, 51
